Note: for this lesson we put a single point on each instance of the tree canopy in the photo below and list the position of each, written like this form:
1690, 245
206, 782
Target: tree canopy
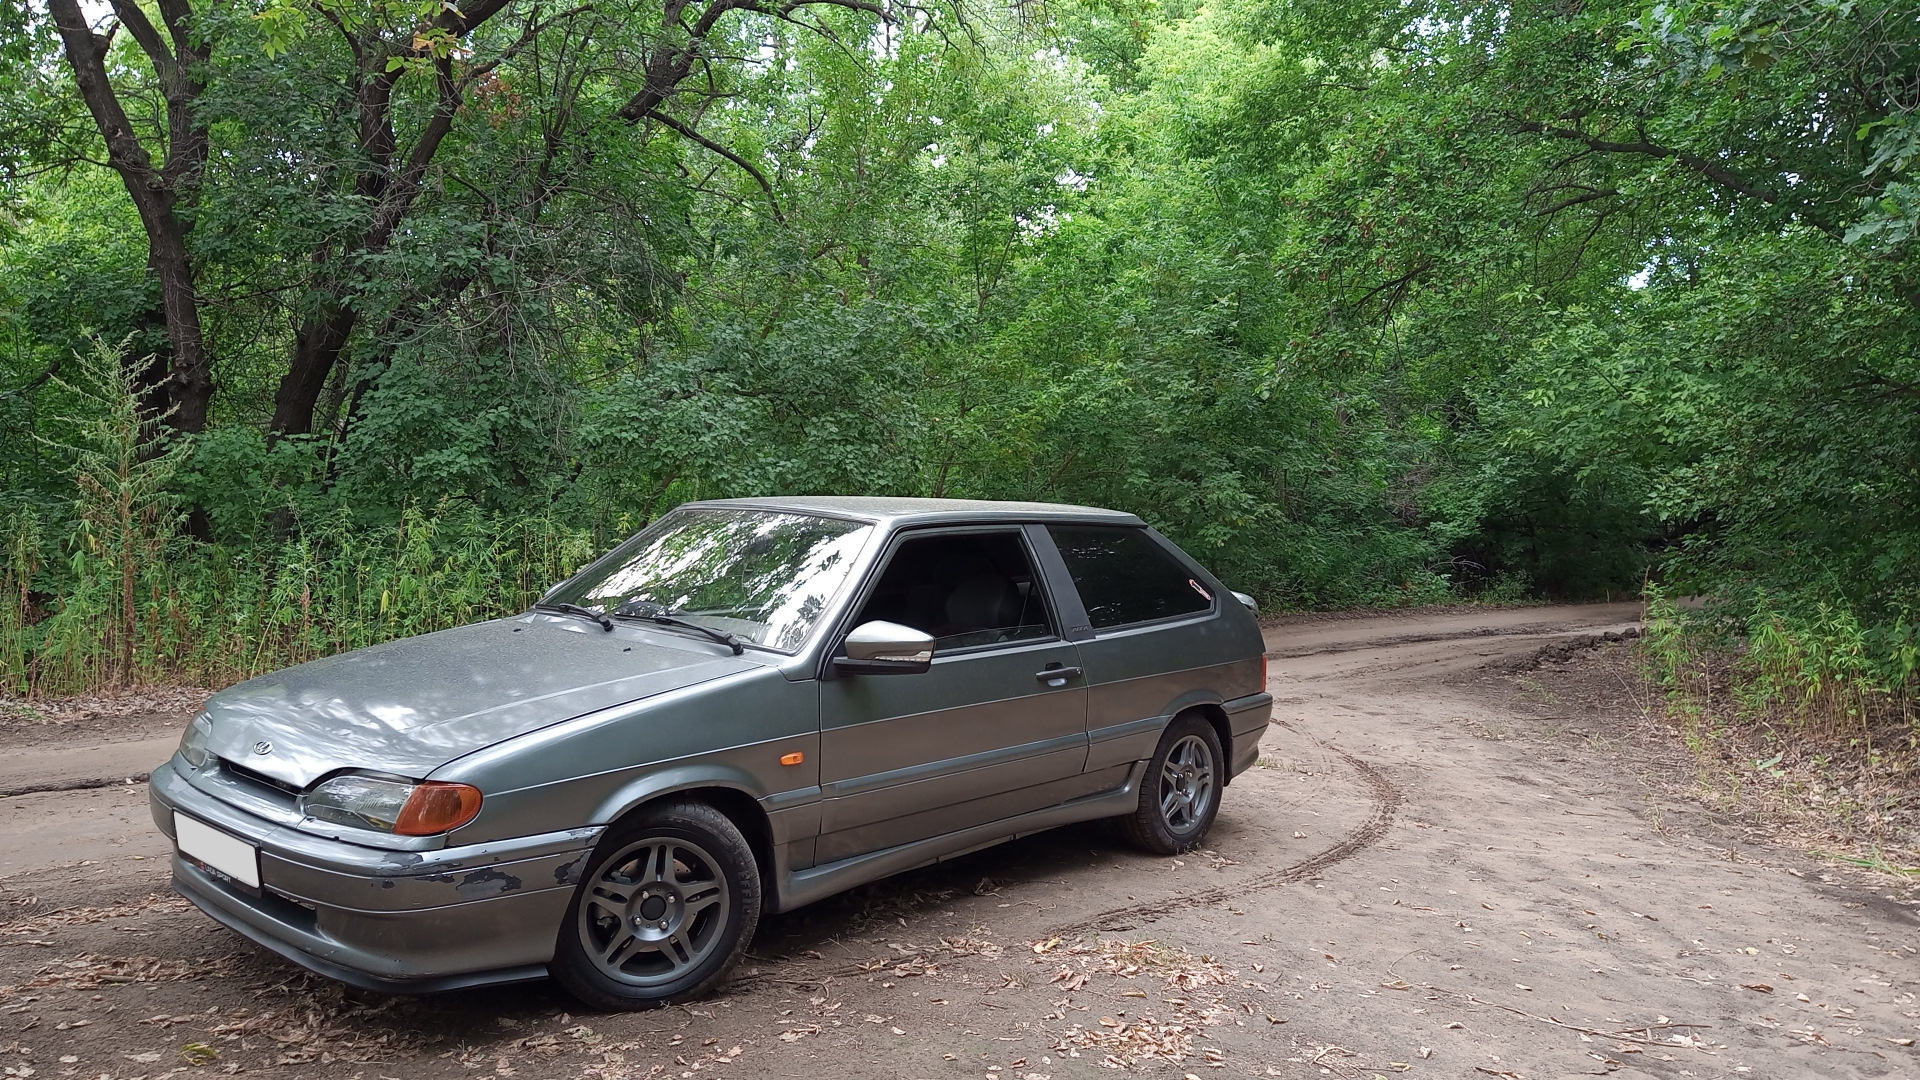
1363, 302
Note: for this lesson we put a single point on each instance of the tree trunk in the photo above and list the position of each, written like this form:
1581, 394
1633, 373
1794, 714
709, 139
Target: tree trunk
155, 191
316, 349
191, 383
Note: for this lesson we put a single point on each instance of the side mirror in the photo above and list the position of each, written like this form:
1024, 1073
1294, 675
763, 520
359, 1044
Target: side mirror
1248, 601
885, 648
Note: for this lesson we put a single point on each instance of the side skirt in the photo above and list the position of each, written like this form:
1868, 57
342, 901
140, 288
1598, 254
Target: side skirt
800, 888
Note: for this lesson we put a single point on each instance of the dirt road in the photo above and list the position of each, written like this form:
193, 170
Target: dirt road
1441, 868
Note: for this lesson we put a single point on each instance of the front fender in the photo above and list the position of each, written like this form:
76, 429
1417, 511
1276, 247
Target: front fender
687, 777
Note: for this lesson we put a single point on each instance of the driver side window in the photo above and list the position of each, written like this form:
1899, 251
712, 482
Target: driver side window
965, 589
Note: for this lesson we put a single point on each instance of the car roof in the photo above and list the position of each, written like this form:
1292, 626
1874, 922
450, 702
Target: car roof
900, 511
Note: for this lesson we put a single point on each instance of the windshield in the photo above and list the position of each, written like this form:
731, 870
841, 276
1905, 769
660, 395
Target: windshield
762, 576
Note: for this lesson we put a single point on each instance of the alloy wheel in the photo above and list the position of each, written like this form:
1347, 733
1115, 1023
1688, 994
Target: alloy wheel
1186, 784
654, 911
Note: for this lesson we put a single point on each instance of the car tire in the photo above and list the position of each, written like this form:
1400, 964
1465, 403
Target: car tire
1180, 793
668, 904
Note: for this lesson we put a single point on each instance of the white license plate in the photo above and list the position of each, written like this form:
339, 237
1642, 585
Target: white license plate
215, 850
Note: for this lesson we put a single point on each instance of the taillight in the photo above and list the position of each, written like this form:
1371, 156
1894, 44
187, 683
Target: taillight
436, 807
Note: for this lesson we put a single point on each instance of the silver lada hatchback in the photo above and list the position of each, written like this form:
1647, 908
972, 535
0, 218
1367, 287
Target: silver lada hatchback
750, 705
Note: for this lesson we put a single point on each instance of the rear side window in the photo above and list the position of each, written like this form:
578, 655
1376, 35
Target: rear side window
1124, 577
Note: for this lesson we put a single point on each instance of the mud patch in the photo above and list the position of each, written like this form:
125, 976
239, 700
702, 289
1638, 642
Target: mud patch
1567, 649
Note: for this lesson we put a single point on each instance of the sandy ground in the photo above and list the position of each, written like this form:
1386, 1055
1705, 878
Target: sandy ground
1453, 861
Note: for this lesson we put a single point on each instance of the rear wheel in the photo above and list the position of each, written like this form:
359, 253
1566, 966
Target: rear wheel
668, 904
1180, 794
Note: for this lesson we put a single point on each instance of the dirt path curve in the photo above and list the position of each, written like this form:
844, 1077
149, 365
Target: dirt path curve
1421, 877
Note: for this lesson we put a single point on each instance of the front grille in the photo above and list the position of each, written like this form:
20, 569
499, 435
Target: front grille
241, 772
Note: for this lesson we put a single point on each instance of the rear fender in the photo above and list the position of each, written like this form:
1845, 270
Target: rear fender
1136, 740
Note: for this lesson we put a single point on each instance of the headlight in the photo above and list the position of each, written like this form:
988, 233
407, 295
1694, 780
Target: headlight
405, 807
193, 745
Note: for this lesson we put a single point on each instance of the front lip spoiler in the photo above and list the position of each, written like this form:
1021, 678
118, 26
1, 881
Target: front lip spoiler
211, 906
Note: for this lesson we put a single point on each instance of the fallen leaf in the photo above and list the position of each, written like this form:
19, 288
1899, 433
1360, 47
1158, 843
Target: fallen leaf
1759, 987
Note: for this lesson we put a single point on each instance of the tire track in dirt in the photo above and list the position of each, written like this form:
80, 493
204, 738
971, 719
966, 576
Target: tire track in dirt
1386, 800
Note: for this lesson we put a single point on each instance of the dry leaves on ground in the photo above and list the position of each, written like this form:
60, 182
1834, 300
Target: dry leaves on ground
918, 960
157, 903
180, 701
312, 1034
88, 971
1124, 1042
1181, 969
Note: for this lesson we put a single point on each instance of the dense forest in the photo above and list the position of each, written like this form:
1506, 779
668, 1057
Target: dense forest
323, 321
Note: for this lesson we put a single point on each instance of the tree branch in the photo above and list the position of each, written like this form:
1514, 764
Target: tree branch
533, 30
36, 382
1706, 167
143, 31
1576, 200
746, 166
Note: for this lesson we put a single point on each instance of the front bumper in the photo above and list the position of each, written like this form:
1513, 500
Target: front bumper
402, 921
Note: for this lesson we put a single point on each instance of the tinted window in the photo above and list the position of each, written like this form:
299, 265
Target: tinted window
963, 588
1125, 577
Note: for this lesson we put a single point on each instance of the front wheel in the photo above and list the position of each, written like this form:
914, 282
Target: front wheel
667, 906
1180, 794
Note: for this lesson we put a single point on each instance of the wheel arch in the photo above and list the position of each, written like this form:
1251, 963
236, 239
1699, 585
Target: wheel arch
733, 795
1216, 718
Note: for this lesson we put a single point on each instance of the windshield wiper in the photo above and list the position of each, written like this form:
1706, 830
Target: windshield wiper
606, 622
655, 613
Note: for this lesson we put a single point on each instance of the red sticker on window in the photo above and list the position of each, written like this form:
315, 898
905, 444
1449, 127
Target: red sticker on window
1196, 588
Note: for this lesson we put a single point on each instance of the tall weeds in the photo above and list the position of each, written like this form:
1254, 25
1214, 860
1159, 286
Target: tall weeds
114, 595
1798, 711
214, 614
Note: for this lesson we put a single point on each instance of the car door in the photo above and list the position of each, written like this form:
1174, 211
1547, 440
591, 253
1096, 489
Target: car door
1150, 642
984, 733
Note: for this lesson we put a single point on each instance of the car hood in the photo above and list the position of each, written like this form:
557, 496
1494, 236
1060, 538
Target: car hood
410, 706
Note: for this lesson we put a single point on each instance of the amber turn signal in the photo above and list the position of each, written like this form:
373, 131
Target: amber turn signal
436, 807
794, 758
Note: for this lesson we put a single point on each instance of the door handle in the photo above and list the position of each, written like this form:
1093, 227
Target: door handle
1057, 676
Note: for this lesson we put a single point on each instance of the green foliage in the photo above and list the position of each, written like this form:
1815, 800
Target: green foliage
1363, 302
213, 614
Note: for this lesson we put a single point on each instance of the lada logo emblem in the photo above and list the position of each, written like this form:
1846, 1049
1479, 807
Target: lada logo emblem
263, 747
